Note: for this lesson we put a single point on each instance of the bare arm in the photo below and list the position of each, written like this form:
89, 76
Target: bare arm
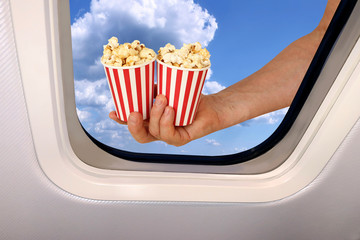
272, 87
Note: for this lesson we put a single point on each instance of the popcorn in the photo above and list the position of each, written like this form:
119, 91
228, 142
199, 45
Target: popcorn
146, 53
113, 42
127, 54
131, 60
189, 56
173, 58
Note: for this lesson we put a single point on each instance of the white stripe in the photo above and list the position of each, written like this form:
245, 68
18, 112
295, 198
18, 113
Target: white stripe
151, 69
113, 82
133, 89
158, 78
198, 94
143, 91
172, 87
123, 92
191, 96
181, 96
163, 90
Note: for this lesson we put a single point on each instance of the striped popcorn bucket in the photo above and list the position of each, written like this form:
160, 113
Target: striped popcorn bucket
132, 88
182, 88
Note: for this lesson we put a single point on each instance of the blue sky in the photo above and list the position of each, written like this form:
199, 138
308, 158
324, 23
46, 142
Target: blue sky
242, 36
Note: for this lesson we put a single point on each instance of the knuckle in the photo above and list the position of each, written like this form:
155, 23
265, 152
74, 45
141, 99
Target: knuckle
169, 140
175, 144
164, 122
155, 114
142, 140
154, 133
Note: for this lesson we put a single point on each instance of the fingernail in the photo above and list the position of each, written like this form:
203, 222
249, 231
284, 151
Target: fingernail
158, 101
167, 111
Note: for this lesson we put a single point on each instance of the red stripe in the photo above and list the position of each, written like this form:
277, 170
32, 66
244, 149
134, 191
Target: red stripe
177, 90
168, 83
197, 104
152, 85
116, 75
194, 97
112, 91
147, 82
160, 83
186, 97
128, 89
138, 89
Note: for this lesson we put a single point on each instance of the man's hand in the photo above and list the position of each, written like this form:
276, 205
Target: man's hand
160, 126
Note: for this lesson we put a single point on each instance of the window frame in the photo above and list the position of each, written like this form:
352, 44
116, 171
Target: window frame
276, 143
52, 118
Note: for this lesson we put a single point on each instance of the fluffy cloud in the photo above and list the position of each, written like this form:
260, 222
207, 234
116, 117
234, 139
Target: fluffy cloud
212, 142
106, 125
111, 133
240, 149
83, 115
154, 23
209, 73
94, 94
272, 117
212, 87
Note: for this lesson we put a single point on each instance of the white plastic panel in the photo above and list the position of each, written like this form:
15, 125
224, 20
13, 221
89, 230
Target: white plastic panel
45, 103
33, 207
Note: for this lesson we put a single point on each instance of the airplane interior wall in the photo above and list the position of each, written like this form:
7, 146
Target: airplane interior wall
32, 207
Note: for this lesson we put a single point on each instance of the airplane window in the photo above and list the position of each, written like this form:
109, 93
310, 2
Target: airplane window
241, 36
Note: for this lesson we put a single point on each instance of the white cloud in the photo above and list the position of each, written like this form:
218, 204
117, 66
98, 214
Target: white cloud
83, 115
209, 73
154, 23
109, 106
105, 125
211, 87
111, 133
95, 93
272, 117
164, 144
240, 149
212, 142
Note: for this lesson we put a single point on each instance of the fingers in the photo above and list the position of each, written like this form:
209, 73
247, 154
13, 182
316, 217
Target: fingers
137, 128
168, 131
171, 134
113, 116
159, 127
155, 115
161, 124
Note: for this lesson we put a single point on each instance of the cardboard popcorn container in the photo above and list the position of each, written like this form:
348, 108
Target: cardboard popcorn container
132, 88
182, 88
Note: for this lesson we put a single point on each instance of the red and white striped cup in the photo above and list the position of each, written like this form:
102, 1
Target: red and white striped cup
132, 88
182, 88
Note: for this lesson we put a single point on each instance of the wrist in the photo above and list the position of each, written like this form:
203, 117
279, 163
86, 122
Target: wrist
230, 107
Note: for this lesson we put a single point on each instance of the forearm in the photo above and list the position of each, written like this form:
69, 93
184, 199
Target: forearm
273, 86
